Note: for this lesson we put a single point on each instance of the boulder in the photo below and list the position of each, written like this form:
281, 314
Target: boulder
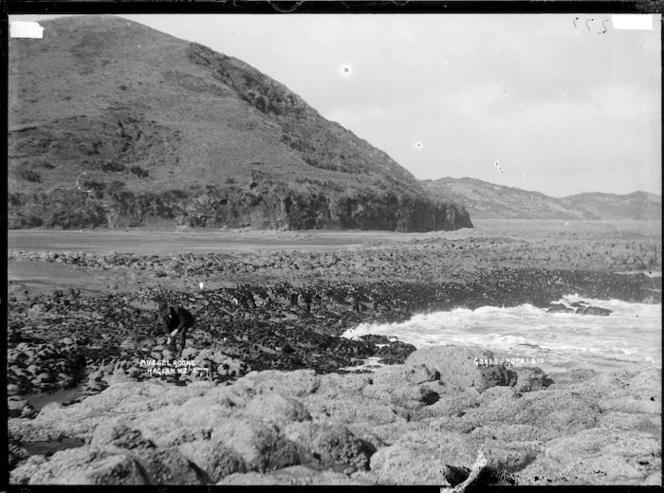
629, 421
646, 381
596, 456
593, 310
451, 447
530, 379
55, 424
407, 464
215, 459
349, 409
261, 447
203, 412
630, 405
405, 396
559, 308
510, 457
168, 466
333, 385
572, 376
275, 409
446, 454
294, 383
555, 413
164, 429
118, 435
497, 393
461, 367
338, 447
415, 396
80, 466
330, 446
404, 374
508, 433
295, 476
447, 405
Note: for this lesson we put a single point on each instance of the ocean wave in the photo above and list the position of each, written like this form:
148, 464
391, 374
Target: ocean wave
631, 333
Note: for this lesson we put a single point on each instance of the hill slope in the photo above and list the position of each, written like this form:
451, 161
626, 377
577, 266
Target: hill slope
636, 205
113, 123
485, 200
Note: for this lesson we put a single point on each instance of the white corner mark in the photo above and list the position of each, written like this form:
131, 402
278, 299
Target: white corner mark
26, 29
632, 22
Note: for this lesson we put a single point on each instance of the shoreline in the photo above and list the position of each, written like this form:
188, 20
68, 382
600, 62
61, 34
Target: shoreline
84, 319
276, 326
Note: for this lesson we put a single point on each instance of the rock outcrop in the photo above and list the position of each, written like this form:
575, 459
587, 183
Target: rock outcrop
302, 428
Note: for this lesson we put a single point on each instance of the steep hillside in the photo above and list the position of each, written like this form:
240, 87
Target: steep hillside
485, 200
113, 123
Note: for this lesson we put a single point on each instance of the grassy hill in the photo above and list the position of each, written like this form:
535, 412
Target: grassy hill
114, 124
636, 205
485, 200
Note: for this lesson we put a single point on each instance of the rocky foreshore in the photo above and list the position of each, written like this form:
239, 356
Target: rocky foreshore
427, 257
57, 340
266, 345
422, 422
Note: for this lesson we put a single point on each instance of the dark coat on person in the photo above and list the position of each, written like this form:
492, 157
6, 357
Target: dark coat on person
176, 318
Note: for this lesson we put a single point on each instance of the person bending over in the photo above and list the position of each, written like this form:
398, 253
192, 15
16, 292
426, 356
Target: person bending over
175, 320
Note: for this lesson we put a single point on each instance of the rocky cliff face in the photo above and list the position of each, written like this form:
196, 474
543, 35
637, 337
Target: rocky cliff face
114, 124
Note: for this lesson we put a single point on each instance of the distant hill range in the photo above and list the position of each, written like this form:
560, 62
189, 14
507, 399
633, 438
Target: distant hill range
485, 200
114, 124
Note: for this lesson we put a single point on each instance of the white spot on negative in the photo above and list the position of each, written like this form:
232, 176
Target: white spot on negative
498, 167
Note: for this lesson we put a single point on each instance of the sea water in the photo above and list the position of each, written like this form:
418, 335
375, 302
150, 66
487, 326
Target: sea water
630, 336
62, 396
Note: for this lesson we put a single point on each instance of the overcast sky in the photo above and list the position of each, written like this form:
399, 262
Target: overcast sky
563, 106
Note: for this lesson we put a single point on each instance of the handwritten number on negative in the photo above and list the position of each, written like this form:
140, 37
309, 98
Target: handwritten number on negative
589, 25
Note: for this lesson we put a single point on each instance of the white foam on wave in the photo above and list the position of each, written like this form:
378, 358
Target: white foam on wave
372, 363
631, 333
